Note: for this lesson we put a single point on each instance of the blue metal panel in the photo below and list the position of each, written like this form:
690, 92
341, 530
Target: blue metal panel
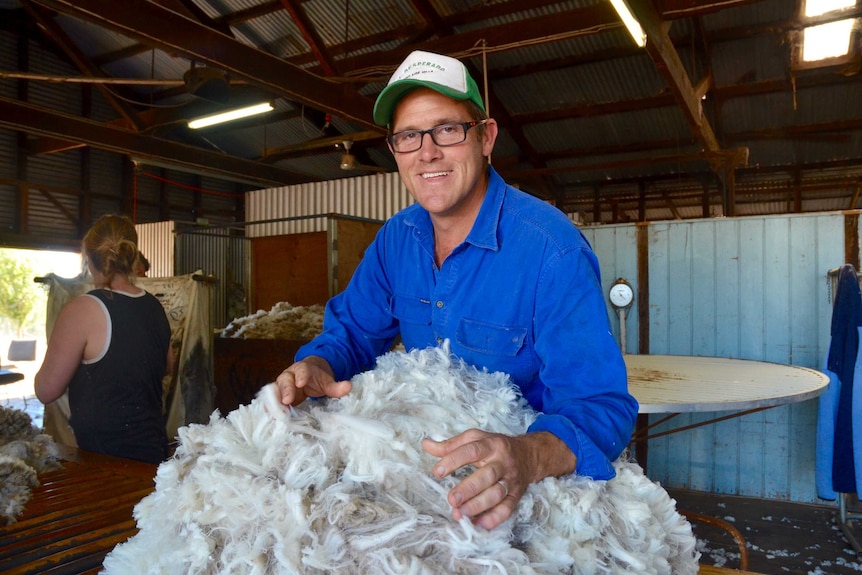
750, 253
728, 316
616, 248
750, 288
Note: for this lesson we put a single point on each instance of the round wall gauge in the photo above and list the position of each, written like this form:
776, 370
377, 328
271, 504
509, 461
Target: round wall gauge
621, 294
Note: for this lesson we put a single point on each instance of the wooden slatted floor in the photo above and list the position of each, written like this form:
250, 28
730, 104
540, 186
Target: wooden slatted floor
77, 515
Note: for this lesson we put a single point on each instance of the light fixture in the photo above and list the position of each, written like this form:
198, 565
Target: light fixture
230, 115
632, 25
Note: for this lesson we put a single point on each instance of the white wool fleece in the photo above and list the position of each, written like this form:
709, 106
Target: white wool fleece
342, 486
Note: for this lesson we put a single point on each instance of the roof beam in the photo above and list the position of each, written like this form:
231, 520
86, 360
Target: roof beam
40, 121
59, 37
274, 154
547, 28
311, 37
152, 24
667, 61
685, 8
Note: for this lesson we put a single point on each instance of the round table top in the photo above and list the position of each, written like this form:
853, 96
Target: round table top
678, 383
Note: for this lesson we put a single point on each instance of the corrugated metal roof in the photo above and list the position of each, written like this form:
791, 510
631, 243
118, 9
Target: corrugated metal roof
584, 85
749, 14
623, 129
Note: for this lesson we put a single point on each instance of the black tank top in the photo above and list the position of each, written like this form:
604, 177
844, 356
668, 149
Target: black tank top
116, 401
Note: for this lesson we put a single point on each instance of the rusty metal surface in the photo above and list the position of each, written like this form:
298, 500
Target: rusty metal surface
76, 516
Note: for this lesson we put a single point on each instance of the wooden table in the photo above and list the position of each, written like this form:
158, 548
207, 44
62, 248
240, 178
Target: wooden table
76, 516
674, 384
680, 384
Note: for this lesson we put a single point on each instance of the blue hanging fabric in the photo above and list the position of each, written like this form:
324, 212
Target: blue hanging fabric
839, 445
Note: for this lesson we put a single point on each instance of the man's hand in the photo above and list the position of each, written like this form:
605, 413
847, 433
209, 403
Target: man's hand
310, 377
505, 467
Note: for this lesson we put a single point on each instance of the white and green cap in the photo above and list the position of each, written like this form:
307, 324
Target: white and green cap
426, 70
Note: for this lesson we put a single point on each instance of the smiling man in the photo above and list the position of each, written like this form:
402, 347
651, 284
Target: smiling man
507, 279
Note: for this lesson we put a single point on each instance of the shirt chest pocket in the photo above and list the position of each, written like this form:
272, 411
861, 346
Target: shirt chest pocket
489, 338
410, 309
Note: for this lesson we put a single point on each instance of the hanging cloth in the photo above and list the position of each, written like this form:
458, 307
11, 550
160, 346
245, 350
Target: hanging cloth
189, 394
839, 445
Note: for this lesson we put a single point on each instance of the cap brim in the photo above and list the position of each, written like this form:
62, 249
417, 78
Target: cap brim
392, 94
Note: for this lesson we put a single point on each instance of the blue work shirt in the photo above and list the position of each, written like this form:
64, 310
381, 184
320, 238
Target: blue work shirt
521, 295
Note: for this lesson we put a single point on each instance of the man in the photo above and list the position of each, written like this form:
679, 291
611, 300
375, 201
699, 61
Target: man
507, 279
142, 266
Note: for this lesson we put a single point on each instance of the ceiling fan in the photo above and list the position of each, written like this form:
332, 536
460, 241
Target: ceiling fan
349, 162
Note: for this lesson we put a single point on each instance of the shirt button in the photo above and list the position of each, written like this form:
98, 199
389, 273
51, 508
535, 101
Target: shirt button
439, 304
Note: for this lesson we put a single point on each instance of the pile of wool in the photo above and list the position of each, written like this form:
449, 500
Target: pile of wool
283, 321
343, 486
24, 453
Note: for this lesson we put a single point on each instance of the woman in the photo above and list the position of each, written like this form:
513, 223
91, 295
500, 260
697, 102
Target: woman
111, 349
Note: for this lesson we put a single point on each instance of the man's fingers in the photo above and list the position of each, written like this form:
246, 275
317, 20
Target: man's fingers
468, 448
286, 387
338, 389
495, 516
290, 383
268, 394
435, 448
302, 380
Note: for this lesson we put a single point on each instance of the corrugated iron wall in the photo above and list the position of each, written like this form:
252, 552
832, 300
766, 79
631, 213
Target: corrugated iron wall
52, 198
8, 189
376, 197
173, 250
156, 241
225, 258
8, 144
749, 288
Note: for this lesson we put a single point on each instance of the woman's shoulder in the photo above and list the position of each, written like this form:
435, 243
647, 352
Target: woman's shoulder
78, 313
84, 302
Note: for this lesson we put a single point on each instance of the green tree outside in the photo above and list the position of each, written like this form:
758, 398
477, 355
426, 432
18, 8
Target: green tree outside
20, 297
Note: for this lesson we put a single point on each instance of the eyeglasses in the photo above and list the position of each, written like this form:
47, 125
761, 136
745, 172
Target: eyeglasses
442, 135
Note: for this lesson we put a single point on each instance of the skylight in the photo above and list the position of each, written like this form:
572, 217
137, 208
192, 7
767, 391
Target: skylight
818, 7
829, 40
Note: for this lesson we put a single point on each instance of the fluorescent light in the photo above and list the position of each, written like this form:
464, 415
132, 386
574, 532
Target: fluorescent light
632, 25
230, 115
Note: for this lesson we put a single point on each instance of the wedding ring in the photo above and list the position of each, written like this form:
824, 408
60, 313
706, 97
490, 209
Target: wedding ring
505, 488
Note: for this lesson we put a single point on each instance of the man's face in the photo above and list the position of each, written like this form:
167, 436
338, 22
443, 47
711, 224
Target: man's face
447, 181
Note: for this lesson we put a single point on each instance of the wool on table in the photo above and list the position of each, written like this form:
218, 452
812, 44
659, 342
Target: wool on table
24, 453
343, 486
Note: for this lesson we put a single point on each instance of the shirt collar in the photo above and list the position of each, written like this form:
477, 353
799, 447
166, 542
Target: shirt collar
484, 231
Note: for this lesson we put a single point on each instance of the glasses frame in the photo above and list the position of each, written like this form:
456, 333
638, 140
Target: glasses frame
430, 132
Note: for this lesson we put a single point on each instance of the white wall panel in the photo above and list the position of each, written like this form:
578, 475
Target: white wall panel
157, 242
288, 209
